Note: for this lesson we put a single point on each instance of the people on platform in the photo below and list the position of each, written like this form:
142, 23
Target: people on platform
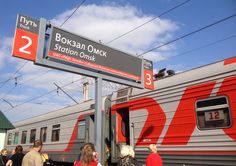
46, 160
33, 157
89, 156
17, 157
127, 156
153, 158
3, 157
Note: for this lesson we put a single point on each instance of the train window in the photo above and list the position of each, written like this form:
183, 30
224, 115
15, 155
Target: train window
32, 135
213, 113
16, 138
9, 139
81, 130
55, 132
23, 137
43, 134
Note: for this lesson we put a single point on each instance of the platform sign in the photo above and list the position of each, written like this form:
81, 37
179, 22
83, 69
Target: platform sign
78, 51
70, 52
148, 74
26, 38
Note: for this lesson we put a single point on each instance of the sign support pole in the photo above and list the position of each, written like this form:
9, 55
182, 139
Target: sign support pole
98, 116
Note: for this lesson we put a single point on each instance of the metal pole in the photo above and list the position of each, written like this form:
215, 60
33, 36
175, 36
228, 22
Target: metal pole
98, 117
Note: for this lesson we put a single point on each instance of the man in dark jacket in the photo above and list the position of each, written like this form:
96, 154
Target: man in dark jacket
16, 159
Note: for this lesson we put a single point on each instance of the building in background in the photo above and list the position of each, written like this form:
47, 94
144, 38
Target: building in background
5, 124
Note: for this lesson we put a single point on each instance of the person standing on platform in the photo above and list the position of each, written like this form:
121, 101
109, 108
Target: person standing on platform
153, 158
17, 157
127, 156
88, 156
33, 157
3, 157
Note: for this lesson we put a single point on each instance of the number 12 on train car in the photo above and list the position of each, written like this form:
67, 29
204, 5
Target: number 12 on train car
148, 74
26, 38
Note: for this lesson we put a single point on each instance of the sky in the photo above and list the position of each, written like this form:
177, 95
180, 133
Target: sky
28, 90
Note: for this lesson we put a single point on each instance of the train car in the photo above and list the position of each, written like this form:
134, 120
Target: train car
63, 132
190, 116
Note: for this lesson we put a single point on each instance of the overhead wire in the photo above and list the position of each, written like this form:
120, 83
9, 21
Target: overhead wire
189, 34
35, 77
78, 6
18, 70
152, 19
21, 83
41, 102
7, 93
2, 82
42, 95
12, 77
204, 46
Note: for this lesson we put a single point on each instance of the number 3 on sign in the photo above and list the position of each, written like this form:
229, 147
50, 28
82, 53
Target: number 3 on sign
25, 45
148, 79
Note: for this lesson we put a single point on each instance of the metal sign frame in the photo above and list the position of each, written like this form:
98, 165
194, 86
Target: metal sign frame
43, 61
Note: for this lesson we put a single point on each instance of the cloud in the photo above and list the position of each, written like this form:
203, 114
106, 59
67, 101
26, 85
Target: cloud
5, 47
156, 56
28, 105
12, 97
45, 80
106, 22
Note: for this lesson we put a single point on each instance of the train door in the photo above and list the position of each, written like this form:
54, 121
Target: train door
120, 131
123, 121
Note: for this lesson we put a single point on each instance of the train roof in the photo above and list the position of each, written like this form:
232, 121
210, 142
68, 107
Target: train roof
200, 73
197, 75
57, 113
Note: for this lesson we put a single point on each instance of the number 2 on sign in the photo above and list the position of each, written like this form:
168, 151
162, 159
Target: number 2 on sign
25, 44
23, 49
